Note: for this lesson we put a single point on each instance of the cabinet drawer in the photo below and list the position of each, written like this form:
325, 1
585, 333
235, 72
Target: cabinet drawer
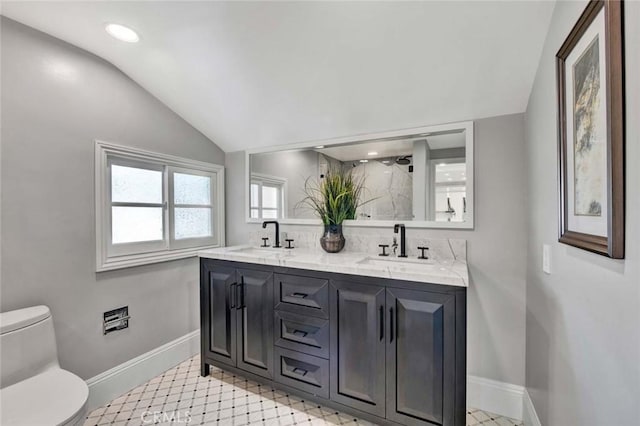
302, 333
302, 295
301, 371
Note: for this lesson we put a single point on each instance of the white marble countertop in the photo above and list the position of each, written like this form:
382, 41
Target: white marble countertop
448, 272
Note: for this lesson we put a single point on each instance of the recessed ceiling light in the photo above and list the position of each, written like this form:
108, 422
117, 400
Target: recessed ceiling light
122, 33
372, 153
364, 161
319, 146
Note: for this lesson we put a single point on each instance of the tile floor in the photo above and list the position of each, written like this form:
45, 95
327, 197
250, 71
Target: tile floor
182, 396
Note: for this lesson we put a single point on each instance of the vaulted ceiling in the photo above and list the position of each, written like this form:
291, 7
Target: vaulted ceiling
252, 74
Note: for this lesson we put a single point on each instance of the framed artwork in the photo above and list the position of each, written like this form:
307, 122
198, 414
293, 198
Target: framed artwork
590, 85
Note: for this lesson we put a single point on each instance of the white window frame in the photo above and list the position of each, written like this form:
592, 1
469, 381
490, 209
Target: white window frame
109, 256
141, 246
192, 242
273, 181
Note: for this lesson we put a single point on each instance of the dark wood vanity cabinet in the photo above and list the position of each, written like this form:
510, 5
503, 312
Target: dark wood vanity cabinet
392, 352
421, 362
236, 308
358, 346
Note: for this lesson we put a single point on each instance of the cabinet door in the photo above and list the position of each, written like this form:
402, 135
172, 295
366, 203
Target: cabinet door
219, 317
357, 346
420, 357
255, 322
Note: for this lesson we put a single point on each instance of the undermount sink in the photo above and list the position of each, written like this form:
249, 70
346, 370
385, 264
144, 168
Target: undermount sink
416, 264
253, 251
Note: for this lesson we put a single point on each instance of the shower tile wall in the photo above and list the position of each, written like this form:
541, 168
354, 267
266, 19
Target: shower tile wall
390, 187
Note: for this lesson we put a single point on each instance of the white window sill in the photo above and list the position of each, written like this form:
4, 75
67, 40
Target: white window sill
121, 262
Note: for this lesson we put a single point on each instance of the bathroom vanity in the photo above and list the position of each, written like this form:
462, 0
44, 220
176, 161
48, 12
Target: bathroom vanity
381, 338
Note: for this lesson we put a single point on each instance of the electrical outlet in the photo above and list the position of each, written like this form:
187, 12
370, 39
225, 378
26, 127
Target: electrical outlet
546, 258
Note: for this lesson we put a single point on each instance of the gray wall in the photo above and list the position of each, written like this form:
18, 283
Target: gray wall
583, 320
496, 248
56, 99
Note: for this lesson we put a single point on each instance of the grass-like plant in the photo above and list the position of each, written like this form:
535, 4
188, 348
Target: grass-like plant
336, 197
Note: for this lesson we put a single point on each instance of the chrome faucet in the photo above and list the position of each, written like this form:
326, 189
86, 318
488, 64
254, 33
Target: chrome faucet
403, 240
275, 222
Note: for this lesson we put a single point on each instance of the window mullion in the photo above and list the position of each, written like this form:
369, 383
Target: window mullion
132, 204
167, 199
260, 196
193, 206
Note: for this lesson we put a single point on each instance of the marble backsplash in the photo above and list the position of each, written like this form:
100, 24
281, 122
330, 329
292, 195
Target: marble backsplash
440, 249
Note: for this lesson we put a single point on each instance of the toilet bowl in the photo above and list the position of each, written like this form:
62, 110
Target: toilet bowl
34, 390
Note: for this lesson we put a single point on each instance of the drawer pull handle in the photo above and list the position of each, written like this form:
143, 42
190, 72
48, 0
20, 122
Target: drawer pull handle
300, 371
300, 333
299, 295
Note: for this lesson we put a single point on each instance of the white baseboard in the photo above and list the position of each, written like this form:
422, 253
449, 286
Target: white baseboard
489, 395
496, 397
114, 382
529, 415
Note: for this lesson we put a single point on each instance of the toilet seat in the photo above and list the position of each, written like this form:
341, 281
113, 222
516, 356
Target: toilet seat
54, 397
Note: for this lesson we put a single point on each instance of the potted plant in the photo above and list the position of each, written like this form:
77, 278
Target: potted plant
335, 198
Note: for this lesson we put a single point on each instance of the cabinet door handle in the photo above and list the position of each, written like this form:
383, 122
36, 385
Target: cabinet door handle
299, 295
391, 329
381, 322
242, 288
232, 294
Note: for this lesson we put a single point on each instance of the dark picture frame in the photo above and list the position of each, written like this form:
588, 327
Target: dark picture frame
592, 193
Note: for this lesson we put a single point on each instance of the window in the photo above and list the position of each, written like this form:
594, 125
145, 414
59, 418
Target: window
450, 190
267, 196
152, 207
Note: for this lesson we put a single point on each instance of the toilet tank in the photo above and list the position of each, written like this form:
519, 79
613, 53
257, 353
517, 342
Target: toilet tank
27, 344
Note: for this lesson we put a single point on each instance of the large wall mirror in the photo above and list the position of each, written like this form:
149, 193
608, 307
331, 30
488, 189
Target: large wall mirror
422, 177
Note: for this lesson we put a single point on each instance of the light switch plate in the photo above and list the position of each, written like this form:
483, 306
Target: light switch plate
546, 258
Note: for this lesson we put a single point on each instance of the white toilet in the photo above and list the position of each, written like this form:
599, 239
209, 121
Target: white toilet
34, 389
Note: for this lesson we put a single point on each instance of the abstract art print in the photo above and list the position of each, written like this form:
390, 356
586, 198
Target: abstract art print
589, 144
591, 131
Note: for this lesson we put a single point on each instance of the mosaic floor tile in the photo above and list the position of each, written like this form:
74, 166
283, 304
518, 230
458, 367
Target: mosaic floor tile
181, 396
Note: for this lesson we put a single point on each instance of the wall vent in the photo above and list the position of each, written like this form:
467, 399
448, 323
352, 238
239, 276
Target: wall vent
115, 320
